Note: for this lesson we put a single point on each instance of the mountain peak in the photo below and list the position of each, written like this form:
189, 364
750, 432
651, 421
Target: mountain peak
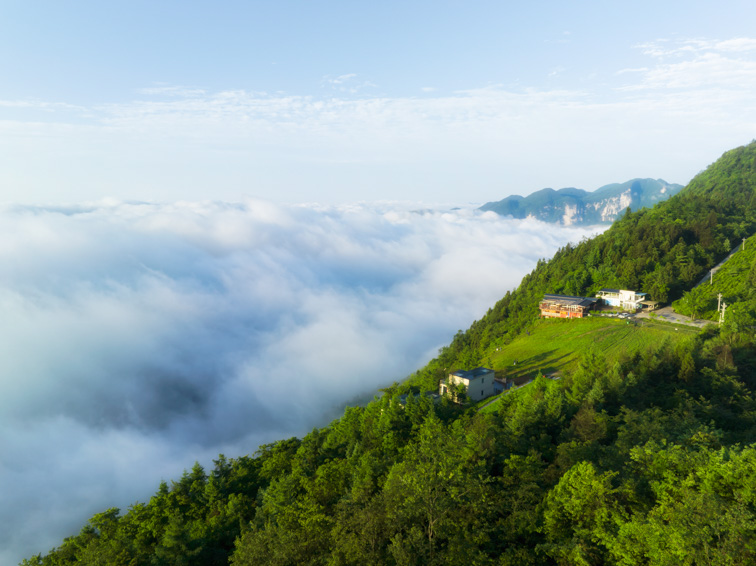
572, 206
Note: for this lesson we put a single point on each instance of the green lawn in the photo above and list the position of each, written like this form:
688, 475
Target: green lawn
555, 346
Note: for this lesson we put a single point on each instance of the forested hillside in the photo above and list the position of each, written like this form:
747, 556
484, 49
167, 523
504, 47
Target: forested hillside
733, 285
663, 251
649, 459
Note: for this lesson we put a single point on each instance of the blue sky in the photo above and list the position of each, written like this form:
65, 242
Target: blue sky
343, 101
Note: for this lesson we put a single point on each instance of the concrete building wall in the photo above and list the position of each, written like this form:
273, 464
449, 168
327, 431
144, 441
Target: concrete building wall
477, 387
623, 298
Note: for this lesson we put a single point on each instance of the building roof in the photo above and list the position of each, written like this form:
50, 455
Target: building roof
569, 300
472, 373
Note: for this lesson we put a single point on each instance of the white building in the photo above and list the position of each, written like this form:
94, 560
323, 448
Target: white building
622, 298
479, 383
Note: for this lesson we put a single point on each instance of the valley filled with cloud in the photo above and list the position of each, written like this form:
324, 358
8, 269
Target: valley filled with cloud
139, 338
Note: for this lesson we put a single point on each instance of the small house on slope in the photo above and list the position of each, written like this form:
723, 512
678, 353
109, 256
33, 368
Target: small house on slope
566, 306
479, 383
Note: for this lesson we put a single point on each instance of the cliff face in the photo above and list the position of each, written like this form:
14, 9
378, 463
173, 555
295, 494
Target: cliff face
572, 206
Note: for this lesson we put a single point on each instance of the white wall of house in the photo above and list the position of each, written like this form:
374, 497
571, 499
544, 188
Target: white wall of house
625, 299
477, 388
628, 299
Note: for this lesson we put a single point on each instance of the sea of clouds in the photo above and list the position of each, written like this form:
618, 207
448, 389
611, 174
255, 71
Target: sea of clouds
138, 338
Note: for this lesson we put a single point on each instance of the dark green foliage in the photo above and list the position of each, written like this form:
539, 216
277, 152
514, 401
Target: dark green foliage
611, 465
628, 464
733, 285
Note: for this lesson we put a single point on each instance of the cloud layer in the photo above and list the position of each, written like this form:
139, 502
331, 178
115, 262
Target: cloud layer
138, 338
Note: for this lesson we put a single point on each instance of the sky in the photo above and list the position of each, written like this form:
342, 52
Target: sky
221, 222
337, 101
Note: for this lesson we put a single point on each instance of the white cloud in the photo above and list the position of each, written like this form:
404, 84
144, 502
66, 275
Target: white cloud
38, 105
705, 69
172, 90
348, 83
738, 44
664, 48
700, 85
138, 338
635, 70
341, 79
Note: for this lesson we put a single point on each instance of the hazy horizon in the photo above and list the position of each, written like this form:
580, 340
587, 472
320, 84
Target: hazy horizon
336, 102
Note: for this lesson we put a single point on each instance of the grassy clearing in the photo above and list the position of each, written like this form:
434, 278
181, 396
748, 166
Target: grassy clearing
555, 346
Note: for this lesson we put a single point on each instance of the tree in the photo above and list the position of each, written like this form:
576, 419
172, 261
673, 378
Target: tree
425, 489
579, 515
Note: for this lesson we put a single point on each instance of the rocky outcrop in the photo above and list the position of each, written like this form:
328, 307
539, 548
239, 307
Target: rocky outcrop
572, 206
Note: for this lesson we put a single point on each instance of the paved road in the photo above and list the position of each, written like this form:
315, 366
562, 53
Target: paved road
669, 315
714, 269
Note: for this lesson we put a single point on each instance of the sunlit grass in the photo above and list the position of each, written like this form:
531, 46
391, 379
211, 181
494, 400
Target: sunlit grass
554, 347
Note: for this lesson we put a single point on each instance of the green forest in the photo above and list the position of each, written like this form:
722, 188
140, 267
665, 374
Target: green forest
646, 456
733, 285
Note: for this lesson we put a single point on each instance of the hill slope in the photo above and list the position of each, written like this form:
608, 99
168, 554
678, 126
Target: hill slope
575, 206
643, 458
734, 284
557, 346
663, 251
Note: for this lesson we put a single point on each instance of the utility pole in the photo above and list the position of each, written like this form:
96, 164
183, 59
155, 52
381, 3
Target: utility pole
721, 313
719, 302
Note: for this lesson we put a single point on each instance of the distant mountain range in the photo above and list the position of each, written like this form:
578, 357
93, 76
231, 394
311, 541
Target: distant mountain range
572, 206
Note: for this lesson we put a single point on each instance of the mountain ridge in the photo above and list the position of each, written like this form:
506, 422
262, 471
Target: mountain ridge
573, 206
